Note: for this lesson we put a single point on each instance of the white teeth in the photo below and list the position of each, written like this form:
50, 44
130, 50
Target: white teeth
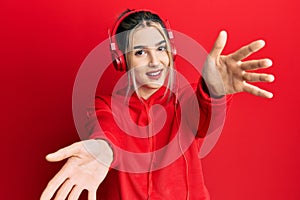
153, 73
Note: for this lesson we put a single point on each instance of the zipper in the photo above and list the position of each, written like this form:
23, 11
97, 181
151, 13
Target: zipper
151, 148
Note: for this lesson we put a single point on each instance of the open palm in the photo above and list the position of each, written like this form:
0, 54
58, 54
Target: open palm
228, 74
82, 171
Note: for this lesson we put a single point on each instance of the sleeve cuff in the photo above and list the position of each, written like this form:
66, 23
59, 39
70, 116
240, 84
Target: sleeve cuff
102, 136
205, 96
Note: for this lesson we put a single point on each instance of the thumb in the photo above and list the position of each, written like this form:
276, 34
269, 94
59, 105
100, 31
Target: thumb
219, 45
64, 153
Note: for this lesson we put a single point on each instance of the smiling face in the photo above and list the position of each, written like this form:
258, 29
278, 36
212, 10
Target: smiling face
148, 60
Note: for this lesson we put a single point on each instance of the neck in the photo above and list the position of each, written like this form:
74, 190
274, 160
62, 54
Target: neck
146, 93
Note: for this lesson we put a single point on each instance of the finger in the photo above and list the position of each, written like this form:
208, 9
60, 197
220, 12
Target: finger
257, 91
64, 152
256, 64
247, 50
258, 77
219, 45
64, 190
75, 193
92, 195
54, 184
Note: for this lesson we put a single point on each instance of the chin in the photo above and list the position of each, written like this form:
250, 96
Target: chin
155, 85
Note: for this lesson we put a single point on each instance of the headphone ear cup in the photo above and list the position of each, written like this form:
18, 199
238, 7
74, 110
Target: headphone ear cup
118, 60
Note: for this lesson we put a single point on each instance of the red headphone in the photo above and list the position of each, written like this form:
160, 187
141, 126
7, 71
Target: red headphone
117, 55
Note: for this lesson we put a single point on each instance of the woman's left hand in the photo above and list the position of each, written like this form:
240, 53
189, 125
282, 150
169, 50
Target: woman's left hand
228, 74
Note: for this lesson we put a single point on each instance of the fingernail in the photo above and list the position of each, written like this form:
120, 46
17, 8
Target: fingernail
223, 32
271, 78
262, 42
268, 62
49, 156
270, 95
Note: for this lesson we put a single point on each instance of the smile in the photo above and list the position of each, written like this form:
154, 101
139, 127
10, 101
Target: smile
154, 74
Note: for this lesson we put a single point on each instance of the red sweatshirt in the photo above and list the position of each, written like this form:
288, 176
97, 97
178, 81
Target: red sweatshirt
156, 142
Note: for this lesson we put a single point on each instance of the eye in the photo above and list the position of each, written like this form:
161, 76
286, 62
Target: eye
139, 52
162, 48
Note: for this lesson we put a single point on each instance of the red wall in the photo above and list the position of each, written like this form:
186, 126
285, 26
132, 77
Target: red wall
43, 44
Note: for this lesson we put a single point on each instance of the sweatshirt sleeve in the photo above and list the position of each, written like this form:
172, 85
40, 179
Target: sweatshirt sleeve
212, 110
100, 125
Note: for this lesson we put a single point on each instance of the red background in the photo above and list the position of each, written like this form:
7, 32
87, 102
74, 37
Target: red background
43, 44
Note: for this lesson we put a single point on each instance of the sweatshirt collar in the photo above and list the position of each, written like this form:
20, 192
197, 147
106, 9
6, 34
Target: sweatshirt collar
158, 97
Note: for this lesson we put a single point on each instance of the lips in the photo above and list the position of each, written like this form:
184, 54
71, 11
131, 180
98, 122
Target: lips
154, 74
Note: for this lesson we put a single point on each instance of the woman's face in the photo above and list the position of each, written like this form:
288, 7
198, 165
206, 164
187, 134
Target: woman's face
148, 59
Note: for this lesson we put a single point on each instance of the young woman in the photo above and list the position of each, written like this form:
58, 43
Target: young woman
151, 131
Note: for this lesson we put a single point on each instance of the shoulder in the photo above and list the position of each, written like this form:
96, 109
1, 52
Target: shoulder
107, 99
102, 100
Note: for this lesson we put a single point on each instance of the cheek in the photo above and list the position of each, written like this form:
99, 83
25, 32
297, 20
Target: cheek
132, 61
138, 63
139, 73
166, 60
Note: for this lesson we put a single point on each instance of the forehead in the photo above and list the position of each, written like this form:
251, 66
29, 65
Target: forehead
146, 36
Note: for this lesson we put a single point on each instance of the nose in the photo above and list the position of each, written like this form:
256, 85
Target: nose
153, 59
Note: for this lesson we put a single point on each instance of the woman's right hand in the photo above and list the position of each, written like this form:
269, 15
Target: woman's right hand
87, 166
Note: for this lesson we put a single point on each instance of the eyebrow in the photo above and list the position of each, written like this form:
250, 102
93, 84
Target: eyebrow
143, 46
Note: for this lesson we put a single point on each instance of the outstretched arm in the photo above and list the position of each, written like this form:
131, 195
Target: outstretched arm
228, 74
87, 165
